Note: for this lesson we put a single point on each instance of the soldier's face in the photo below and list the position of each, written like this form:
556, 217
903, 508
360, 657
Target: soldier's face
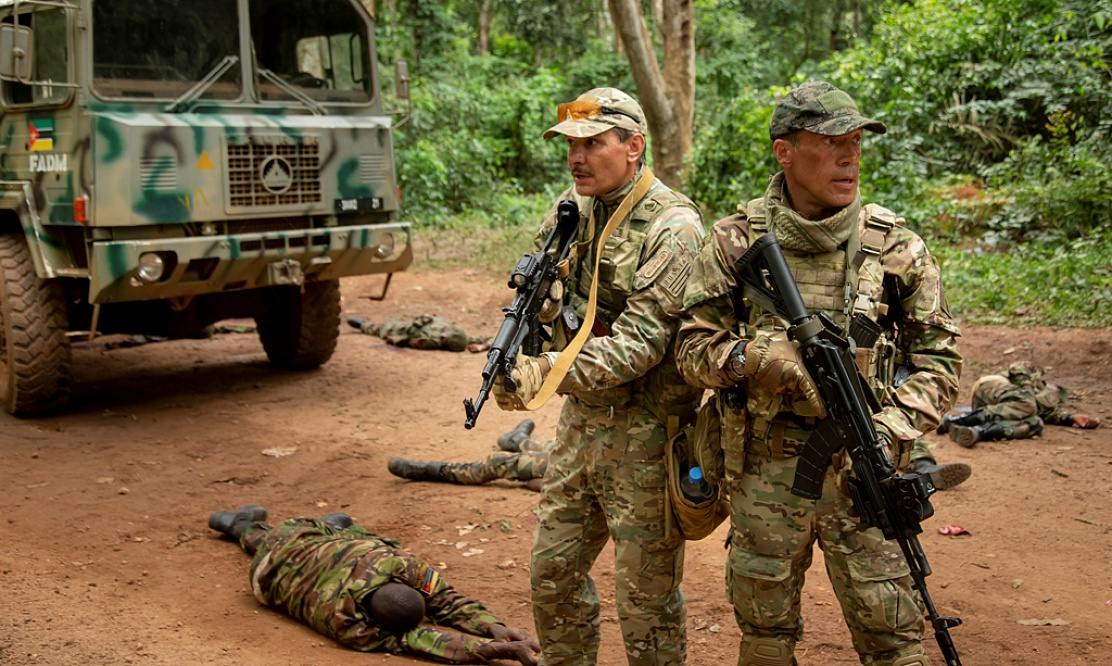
601, 163
821, 171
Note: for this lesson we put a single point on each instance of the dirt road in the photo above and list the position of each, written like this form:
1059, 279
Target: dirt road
106, 557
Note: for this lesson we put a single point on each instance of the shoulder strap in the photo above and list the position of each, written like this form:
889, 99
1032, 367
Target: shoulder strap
877, 221
564, 360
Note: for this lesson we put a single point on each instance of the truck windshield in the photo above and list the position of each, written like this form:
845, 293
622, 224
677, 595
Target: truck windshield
319, 46
159, 50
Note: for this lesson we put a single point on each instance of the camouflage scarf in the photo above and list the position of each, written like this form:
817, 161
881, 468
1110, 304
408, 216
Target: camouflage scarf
813, 236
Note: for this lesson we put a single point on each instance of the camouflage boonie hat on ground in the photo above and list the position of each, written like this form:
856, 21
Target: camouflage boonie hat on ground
597, 111
820, 108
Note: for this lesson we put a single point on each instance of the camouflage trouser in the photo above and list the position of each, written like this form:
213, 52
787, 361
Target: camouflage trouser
772, 540
530, 444
606, 480
919, 450
1014, 408
523, 466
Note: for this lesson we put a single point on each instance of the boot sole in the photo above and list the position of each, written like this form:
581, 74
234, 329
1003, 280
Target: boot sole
950, 474
962, 436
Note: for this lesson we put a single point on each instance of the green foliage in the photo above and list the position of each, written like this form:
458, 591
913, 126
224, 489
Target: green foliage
732, 157
1066, 284
1016, 94
473, 139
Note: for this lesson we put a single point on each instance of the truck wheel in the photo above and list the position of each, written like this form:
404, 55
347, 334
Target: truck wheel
299, 326
34, 349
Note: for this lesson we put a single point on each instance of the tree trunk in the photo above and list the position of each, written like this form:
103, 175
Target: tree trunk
667, 97
484, 26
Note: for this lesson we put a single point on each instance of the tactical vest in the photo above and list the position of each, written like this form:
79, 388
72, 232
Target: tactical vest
662, 389
827, 284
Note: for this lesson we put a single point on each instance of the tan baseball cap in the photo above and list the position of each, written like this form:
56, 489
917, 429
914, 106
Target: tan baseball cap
597, 111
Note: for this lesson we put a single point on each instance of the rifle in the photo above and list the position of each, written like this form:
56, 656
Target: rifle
882, 498
531, 277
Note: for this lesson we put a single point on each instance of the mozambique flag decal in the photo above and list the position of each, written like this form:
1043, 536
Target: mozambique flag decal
42, 134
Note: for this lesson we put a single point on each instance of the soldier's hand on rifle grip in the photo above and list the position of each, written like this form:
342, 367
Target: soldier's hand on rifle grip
773, 362
550, 309
529, 374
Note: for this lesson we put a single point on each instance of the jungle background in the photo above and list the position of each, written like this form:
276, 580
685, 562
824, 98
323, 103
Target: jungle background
999, 115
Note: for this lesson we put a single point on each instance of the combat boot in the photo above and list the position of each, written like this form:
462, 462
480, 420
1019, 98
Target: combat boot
339, 521
943, 477
974, 418
418, 471
235, 523
968, 436
511, 441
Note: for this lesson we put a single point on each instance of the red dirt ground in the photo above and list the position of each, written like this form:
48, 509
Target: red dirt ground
107, 559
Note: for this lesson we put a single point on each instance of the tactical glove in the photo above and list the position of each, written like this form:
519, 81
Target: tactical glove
528, 374
550, 309
772, 361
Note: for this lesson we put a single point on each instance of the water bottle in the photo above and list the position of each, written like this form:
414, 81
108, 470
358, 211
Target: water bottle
695, 488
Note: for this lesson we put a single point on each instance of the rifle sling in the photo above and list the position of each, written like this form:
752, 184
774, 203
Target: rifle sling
564, 360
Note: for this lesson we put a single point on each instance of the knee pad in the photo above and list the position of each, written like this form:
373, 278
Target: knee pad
765, 652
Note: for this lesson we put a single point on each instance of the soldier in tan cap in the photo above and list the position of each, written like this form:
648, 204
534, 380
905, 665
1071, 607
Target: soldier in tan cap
606, 473
854, 263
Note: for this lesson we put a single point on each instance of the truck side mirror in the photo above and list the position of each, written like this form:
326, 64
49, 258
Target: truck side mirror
16, 46
401, 79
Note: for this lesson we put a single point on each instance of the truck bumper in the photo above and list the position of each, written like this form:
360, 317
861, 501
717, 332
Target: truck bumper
207, 264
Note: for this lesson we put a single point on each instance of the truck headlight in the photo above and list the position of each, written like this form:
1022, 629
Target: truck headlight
385, 246
151, 267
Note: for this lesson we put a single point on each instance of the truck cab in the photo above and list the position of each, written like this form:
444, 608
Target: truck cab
165, 164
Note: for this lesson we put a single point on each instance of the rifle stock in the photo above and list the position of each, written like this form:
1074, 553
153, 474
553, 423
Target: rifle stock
882, 498
521, 331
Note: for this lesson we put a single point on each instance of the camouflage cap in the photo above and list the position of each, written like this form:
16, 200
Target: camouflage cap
597, 111
818, 107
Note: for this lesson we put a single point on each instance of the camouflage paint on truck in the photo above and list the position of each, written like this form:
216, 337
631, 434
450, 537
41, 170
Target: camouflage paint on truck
168, 163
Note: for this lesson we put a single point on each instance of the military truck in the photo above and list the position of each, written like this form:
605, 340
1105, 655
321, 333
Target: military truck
166, 164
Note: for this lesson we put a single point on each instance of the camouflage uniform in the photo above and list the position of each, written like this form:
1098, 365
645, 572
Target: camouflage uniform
606, 475
320, 575
423, 332
525, 465
1021, 401
773, 531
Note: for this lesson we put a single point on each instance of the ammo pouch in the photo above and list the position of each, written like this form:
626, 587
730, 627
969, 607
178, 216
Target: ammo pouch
696, 445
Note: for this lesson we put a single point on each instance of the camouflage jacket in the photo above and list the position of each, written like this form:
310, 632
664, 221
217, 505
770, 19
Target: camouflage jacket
320, 576
1014, 398
641, 277
917, 318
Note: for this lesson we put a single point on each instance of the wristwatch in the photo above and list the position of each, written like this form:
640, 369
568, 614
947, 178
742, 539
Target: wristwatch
736, 362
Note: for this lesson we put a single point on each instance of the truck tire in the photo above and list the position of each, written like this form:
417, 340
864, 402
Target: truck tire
35, 368
299, 326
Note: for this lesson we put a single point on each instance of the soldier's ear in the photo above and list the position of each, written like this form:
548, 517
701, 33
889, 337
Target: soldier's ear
784, 152
636, 148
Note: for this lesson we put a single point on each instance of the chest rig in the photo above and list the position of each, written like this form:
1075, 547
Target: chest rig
847, 284
621, 254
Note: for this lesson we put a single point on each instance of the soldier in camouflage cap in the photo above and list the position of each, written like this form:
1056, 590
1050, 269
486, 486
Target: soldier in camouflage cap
365, 591
606, 474
1013, 404
851, 261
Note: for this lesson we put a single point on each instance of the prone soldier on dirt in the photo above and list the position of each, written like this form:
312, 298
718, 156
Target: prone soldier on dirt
1013, 404
852, 262
421, 332
520, 458
365, 591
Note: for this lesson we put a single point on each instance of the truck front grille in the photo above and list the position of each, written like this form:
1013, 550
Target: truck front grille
264, 172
